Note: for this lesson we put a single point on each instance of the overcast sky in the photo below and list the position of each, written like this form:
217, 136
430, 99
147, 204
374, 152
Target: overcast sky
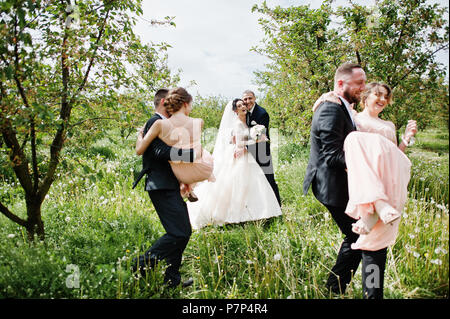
212, 40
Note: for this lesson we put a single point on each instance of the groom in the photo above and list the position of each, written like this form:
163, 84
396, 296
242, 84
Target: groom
326, 171
164, 191
260, 151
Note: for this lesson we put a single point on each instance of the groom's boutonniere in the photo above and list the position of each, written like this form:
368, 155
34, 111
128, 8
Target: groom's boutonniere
253, 123
257, 131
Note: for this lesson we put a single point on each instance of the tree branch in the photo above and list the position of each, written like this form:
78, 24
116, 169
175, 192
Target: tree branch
91, 61
34, 158
26, 103
5, 211
91, 119
64, 115
66, 107
17, 157
419, 63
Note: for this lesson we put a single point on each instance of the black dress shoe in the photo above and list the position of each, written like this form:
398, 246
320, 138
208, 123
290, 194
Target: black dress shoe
184, 284
143, 263
187, 283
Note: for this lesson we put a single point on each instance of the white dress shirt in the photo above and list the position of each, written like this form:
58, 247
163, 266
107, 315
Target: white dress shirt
349, 109
162, 116
251, 110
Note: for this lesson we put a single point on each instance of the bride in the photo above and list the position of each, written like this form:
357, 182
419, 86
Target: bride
241, 191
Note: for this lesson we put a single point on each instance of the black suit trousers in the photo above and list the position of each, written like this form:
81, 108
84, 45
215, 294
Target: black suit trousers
261, 154
348, 259
173, 213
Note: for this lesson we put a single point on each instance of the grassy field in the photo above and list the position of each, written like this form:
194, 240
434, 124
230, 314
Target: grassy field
95, 224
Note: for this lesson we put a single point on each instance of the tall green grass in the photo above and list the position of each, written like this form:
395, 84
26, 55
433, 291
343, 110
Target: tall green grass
95, 221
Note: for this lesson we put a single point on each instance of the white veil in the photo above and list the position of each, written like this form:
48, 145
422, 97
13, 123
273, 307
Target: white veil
224, 135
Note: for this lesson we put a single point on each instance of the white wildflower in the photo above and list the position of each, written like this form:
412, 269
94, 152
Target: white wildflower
416, 254
277, 257
436, 261
11, 235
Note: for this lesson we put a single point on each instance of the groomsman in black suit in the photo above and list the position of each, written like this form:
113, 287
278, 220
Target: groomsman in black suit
164, 191
260, 151
326, 171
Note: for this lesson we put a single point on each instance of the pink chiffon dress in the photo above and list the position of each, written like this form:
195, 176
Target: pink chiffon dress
377, 170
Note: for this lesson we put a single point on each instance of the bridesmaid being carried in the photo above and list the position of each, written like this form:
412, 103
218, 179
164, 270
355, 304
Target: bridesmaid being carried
378, 170
183, 132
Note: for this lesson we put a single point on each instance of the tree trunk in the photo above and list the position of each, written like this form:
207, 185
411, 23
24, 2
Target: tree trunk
34, 225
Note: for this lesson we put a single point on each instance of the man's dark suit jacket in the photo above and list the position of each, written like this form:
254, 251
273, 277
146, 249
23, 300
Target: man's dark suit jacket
326, 168
260, 151
155, 162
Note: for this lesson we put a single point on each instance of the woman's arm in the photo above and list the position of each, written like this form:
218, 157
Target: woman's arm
144, 141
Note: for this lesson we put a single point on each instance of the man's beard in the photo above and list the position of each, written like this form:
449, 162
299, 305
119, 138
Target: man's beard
351, 98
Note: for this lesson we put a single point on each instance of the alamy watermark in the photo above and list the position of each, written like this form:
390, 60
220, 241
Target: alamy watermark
372, 276
73, 279
73, 15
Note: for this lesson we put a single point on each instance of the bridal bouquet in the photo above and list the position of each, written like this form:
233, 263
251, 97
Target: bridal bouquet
257, 131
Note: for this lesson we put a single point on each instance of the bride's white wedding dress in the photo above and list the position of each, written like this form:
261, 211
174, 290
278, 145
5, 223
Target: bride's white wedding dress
241, 191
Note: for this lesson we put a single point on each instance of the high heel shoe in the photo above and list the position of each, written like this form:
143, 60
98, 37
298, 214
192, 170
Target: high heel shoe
192, 197
386, 212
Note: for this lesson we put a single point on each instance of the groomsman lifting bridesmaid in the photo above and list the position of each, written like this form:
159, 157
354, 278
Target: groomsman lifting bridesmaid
375, 190
164, 191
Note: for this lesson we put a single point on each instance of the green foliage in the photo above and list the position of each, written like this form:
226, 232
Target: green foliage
429, 163
394, 41
104, 151
100, 224
210, 109
68, 73
289, 152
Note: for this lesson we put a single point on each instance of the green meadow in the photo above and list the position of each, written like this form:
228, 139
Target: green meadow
95, 224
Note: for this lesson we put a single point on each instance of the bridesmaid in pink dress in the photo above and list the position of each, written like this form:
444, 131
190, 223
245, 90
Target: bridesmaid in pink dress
183, 132
378, 172
378, 175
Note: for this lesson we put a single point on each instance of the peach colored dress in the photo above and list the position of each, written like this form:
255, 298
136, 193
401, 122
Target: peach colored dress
377, 169
202, 167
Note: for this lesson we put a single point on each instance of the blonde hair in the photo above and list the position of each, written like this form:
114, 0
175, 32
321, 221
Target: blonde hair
375, 87
175, 100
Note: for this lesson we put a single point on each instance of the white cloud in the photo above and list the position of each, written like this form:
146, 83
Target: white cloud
212, 40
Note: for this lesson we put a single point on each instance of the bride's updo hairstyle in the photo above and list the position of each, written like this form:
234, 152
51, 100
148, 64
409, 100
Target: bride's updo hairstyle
374, 87
235, 101
175, 100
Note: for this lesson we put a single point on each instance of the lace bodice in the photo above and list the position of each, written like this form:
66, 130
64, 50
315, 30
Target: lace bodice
368, 124
241, 132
